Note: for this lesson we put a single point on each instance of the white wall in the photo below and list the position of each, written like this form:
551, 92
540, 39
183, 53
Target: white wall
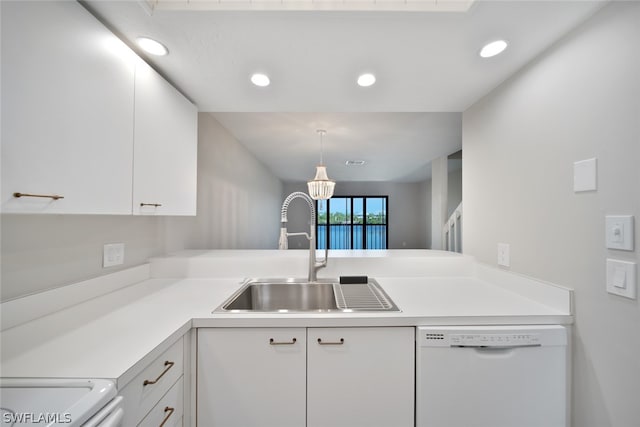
45, 251
425, 192
238, 197
450, 194
439, 200
407, 215
238, 207
580, 99
454, 189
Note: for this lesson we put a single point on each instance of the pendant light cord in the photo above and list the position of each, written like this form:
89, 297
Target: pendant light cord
321, 132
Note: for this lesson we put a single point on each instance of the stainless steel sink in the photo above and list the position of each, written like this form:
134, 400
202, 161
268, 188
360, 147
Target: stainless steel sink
261, 296
299, 295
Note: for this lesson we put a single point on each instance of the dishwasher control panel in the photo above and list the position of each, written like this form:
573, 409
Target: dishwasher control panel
491, 337
493, 340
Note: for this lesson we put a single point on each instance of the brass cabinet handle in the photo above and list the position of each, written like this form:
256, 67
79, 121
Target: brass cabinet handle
170, 412
155, 205
341, 342
274, 342
168, 365
46, 196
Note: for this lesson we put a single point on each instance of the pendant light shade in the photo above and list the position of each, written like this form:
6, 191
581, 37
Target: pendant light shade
321, 187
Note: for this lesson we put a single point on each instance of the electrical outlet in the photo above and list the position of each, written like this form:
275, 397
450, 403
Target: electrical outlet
112, 254
503, 255
619, 232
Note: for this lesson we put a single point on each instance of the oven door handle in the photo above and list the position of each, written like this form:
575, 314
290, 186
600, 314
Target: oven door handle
113, 420
109, 416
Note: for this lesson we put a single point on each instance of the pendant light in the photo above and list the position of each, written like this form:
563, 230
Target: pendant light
321, 187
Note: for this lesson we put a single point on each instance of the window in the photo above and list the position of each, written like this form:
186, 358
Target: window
352, 222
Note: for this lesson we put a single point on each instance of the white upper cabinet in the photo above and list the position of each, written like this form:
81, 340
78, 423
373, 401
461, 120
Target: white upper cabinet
67, 111
87, 126
165, 147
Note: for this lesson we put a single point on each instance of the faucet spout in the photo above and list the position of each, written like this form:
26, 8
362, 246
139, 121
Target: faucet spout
283, 243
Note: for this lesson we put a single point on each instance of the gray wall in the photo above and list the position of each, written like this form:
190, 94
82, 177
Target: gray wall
238, 200
454, 197
46, 251
454, 189
407, 223
238, 197
580, 99
425, 193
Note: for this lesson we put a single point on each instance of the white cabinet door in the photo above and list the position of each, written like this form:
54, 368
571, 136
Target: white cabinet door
360, 377
251, 377
67, 111
165, 147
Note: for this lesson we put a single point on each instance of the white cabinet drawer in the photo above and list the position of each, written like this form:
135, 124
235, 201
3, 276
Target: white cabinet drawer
168, 411
146, 390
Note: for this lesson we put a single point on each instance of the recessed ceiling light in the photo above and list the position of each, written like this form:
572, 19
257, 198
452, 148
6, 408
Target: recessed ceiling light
493, 48
151, 46
366, 80
354, 162
260, 79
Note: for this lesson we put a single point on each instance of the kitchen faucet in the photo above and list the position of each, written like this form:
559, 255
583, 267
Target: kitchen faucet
283, 243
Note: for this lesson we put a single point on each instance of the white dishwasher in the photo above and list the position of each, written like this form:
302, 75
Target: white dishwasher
498, 376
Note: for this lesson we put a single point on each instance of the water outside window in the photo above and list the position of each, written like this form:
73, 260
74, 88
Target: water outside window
376, 223
358, 222
352, 222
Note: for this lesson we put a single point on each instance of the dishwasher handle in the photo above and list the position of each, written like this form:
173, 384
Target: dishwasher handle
497, 347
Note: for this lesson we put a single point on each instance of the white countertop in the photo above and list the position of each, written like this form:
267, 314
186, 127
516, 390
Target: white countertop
107, 336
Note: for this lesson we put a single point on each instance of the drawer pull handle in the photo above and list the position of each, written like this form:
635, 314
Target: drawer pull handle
341, 342
46, 196
155, 205
170, 412
274, 342
168, 365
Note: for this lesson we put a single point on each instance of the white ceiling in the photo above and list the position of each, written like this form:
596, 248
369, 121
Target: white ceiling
396, 146
425, 62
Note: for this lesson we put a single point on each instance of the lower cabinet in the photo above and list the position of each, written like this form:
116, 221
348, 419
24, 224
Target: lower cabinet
360, 377
251, 377
315, 377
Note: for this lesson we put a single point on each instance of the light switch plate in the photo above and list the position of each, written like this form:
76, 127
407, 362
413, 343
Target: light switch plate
113, 254
585, 175
504, 258
621, 278
619, 232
